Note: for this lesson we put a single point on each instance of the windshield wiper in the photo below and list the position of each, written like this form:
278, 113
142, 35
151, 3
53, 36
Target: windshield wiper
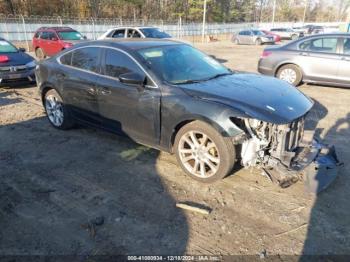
190, 81
217, 76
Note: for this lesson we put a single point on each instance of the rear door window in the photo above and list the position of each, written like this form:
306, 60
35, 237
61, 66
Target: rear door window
120, 33
324, 45
44, 35
86, 58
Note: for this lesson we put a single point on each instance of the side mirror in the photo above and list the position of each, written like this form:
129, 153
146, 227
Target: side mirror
132, 79
84, 37
54, 38
21, 49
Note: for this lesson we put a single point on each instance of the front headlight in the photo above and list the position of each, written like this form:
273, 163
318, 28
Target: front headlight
31, 64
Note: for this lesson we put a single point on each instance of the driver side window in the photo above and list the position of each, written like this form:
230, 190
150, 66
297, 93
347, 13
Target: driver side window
117, 63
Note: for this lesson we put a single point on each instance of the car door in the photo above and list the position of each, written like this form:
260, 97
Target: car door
343, 76
43, 43
51, 43
319, 58
77, 79
128, 109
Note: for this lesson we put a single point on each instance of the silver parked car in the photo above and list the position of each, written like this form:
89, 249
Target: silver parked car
287, 33
252, 37
323, 58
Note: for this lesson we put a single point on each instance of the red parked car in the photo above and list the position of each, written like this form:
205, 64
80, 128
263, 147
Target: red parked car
276, 37
48, 41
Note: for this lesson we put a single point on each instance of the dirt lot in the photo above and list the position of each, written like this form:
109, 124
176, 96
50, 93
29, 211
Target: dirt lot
54, 184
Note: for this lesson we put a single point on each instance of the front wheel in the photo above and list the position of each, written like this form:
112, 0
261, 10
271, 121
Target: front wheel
258, 41
56, 111
203, 153
291, 74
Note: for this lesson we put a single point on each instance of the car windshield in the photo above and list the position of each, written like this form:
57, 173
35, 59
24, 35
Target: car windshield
154, 33
182, 64
70, 35
257, 32
6, 47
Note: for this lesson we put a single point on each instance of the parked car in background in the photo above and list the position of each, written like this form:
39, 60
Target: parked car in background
48, 41
252, 37
300, 29
135, 32
314, 29
171, 96
287, 33
323, 59
15, 65
276, 37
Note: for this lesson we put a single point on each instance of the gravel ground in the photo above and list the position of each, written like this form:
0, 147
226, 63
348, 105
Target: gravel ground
87, 192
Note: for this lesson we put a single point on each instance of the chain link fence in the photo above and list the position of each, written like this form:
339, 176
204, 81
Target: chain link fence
22, 28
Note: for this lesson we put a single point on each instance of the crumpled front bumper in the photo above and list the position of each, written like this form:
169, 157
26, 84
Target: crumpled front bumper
315, 163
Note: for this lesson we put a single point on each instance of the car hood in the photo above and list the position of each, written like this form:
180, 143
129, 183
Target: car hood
260, 97
18, 58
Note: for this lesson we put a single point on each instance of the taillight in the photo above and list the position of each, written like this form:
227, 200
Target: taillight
266, 54
4, 58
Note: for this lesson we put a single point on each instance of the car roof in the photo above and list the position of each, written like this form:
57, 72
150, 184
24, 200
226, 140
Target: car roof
133, 27
132, 44
56, 28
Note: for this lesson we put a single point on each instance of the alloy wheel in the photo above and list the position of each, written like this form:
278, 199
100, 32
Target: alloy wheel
288, 75
199, 154
54, 110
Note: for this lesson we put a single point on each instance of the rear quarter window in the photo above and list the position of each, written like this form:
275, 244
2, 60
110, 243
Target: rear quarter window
86, 58
66, 59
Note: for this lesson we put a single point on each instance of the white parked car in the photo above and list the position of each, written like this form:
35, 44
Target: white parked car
134, 32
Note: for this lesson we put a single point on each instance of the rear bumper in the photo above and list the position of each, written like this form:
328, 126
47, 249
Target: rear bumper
17, 77
264, 69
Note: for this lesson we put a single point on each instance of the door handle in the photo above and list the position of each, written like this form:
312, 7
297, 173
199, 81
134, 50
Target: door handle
304, 54
104, 91
61, 76
345, 58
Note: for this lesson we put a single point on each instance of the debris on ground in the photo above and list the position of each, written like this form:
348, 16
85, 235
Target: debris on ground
194, 207
91, 225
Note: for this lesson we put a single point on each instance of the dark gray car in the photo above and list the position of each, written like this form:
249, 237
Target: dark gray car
323, 59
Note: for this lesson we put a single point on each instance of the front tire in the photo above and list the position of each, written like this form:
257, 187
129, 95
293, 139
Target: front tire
258, 41
290, 73
57, 113
203, 153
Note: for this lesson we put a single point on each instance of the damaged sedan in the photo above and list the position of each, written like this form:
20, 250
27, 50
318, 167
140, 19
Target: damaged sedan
170, 96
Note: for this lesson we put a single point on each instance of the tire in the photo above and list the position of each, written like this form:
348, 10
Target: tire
236, 41
258, 41
215, 146
57, 113
294, 37
39, 53
291, 70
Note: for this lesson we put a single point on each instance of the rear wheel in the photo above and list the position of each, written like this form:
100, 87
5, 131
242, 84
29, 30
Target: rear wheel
39, 53
291, 74
203, 153
56, 111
